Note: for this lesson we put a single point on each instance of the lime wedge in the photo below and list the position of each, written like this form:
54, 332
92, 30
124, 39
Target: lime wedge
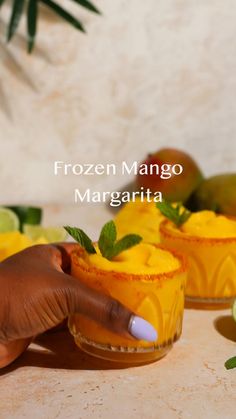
51, 234
234, 310
8, 220
27, 215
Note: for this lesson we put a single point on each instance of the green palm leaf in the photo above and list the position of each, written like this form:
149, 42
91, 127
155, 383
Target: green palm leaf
32, 14
88, 5
16, 14
63, 14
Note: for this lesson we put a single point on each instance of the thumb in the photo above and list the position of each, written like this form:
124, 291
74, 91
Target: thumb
105, 310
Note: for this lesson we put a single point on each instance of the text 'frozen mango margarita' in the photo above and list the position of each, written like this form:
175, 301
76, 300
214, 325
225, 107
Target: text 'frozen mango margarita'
147, 279
209, 242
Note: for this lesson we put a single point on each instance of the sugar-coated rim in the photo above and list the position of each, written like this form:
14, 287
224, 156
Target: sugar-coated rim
166, 231
80, 252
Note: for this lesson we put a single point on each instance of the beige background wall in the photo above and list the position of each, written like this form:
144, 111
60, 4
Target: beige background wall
148, 74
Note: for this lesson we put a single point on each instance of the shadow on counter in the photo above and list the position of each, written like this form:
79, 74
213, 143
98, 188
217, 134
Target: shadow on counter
58, 350
226, 327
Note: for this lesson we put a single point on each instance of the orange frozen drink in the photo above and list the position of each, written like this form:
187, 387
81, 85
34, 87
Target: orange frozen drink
146, 278
209, 242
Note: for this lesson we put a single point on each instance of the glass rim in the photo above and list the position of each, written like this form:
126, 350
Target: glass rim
125, 276
166, 231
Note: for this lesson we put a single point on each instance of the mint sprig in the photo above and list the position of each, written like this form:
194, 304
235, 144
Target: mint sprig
81, 237
125, 243
107, 243
173, 213
107, 239
230, 363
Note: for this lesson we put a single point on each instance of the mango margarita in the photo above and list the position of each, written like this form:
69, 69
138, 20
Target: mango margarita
139, 217
149, 281
209, 242
14, 241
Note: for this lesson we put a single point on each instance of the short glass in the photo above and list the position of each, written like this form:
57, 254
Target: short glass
211, 279
159, 299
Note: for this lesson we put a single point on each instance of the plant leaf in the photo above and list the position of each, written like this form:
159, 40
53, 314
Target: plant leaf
27, 215
88, 5
107, 244
107, 239
16, 14
82, 238
64, 14
230, 363
173, 213
32, 14
184, 217
1, 2
125, 243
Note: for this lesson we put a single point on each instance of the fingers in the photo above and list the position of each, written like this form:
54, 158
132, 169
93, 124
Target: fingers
12, 350
41, 295
102, 308
67, 247
65, 251
56, 255
107, 311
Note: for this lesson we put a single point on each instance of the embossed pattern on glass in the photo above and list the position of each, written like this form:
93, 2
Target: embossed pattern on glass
157, 298
212, 265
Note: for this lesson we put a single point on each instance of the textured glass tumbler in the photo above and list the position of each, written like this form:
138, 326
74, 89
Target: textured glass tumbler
159, 299
211, 281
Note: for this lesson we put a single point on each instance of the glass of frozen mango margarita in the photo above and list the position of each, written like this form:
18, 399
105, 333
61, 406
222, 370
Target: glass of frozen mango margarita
209, 242
146, 278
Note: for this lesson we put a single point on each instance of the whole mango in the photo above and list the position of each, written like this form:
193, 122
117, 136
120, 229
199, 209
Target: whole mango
178, 187
217, 193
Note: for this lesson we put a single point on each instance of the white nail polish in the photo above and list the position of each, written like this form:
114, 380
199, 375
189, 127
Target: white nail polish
142, 330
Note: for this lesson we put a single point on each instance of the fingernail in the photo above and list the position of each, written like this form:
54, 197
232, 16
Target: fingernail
142, 330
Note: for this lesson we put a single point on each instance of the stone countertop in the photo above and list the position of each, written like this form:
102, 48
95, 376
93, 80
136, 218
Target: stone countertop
54, 379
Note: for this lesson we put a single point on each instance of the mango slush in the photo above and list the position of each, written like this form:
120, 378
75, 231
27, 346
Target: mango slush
14, 241
147, 279
140, 217
209, 241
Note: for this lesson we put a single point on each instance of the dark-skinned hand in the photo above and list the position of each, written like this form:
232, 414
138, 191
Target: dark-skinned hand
36, 294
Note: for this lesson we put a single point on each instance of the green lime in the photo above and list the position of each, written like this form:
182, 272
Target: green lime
51, 234
27, 215
234, 310
8, 220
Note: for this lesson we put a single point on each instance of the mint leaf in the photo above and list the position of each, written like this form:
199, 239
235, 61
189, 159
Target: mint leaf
230, 363
174, 214
125, 243
107, 239
108, 245
82, 238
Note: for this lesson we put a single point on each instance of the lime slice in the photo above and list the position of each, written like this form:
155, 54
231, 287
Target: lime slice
51, 234
27, 215
8, 220
234, 310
